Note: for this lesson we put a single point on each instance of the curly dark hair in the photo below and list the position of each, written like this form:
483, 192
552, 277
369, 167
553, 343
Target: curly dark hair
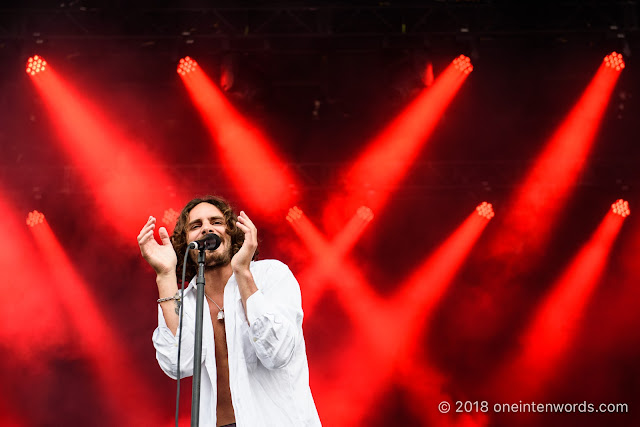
179, 236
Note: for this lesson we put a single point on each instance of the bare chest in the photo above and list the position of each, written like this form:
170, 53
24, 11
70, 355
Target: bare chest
224, 407
220, 340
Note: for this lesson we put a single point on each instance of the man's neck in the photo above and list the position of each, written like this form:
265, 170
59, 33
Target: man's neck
216, 278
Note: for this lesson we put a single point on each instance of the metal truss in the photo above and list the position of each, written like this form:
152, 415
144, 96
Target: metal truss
249, 25
425, 179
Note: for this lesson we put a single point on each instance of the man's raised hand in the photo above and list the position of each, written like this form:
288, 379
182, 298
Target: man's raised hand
161, 257
243, 257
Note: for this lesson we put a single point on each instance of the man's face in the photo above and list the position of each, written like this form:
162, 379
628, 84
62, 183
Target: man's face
205, 219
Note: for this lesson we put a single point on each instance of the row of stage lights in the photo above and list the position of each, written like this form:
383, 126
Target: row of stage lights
485, 210
37, 64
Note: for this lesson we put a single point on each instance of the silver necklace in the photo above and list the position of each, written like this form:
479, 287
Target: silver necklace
221, 312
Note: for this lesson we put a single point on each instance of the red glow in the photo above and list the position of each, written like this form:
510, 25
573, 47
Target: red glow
540, 199
186, 65
621, 207
35, 65
121, 173
485, 210
374, 175
614, 60
34, 218
125, 389
255, 169
557, 320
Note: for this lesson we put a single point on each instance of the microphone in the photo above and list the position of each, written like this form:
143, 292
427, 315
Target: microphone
209, 243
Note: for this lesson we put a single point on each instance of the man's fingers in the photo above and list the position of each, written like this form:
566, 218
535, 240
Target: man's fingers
146, 234
246, 225
245, 220
164, 236
246, 228
150, 225
146, 238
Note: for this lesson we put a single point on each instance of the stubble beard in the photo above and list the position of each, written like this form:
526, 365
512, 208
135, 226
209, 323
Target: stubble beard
213, 259
216, 259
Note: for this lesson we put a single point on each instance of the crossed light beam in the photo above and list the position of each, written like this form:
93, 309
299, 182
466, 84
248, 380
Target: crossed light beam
387, 330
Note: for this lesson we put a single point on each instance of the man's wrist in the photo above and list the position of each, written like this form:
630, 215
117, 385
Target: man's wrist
166, 281
242, 272
165, 275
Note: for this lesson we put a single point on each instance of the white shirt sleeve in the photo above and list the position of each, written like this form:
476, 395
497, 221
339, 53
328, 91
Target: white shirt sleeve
275, 316
166, 345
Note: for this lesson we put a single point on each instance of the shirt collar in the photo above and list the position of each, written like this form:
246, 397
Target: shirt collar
192, 287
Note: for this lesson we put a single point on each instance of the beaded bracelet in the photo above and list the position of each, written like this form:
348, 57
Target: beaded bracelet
175, 297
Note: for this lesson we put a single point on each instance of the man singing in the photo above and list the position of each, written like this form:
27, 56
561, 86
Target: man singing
254, 362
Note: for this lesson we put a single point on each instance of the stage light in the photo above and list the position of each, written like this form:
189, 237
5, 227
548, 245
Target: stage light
365, 213
485, 210
34, 218
614, 60
170, 217
186, 65
463, 63
35, 64
295, 213
621, 207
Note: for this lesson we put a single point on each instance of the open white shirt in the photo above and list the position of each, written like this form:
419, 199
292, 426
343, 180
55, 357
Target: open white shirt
268, 371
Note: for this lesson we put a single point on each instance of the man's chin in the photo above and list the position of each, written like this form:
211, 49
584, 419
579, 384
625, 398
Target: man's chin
216, 259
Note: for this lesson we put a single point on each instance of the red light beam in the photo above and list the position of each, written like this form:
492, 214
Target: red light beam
111, 165
24, 286
372, 177
429, 282
543, 193
555, 323
124, 389
263, 181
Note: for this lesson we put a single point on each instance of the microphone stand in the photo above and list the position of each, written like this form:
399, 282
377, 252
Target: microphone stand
197, 352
